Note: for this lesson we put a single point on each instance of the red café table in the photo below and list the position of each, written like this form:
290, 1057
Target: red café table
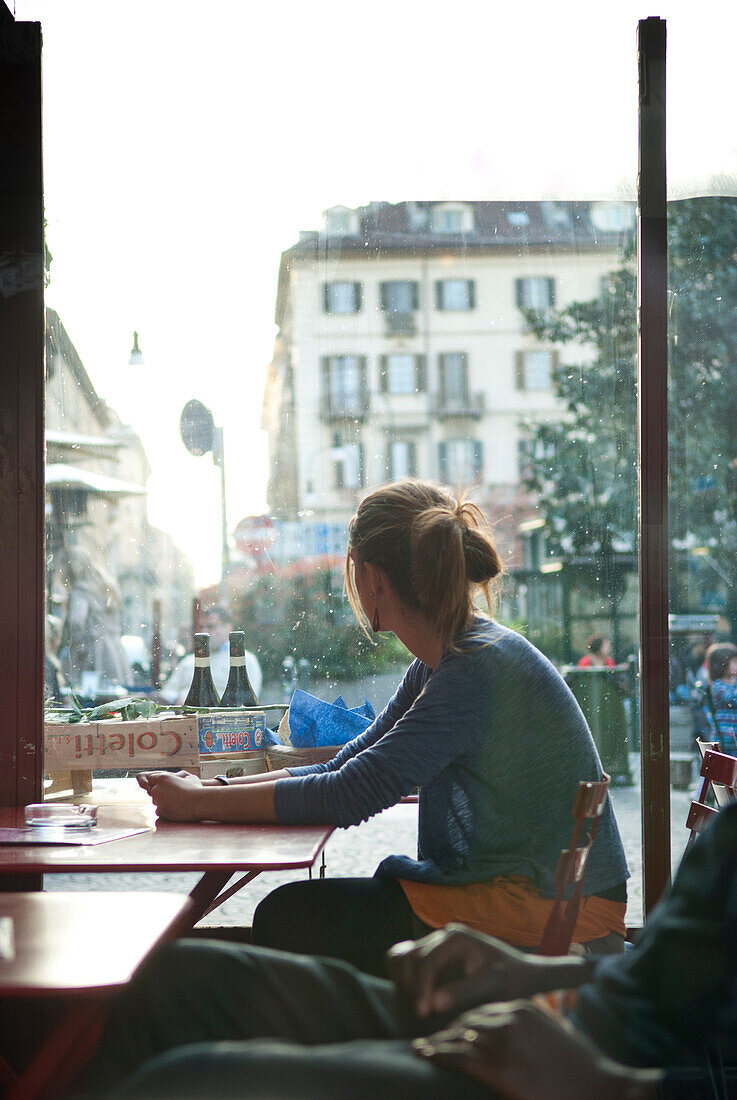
57, 947
217, 851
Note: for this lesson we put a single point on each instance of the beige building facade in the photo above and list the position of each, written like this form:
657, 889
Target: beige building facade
404, 346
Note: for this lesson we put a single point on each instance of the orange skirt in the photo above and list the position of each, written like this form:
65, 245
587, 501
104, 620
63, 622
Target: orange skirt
510, 908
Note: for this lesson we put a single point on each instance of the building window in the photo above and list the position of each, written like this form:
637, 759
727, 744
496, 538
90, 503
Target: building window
344, 382
349, 466
402, 373
535, 293
402, 459
534, 369
455, 294
452, 219
399, 296
518, 218
460, 461
342, 297
454, 378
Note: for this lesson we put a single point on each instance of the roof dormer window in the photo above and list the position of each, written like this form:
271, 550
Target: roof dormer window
452, 217
341, 221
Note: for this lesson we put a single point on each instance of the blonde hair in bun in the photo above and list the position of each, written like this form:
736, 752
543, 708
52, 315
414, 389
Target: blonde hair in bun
436, 549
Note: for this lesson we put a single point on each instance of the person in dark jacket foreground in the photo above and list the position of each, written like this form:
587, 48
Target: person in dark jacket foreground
459, 1019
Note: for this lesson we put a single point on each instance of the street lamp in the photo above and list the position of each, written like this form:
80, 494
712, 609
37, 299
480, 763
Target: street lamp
200, 435
136, 356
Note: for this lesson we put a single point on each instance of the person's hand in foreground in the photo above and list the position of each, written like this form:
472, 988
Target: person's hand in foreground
455, 968
524, 1052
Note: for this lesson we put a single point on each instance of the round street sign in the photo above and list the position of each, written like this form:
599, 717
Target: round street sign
196, 425
255, 535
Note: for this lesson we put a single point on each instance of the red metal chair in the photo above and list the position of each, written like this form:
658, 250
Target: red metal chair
719, 775
587, 806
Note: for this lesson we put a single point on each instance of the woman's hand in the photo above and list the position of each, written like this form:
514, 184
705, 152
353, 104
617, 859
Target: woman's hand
456, 967
145, 778
524, 1052
173, 793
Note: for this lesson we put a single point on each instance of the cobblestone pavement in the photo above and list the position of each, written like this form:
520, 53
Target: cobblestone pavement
358, 850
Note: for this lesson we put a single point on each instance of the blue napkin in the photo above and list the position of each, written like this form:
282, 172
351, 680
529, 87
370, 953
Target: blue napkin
365, 708
313, 723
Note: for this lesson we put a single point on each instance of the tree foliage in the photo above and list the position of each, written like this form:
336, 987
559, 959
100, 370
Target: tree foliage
584, 468
307, 617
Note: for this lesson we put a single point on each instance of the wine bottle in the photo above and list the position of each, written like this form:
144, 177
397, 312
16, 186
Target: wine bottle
238, 691
202, 691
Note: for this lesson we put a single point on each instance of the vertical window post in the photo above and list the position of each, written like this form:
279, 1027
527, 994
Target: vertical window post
652, 393
22, 601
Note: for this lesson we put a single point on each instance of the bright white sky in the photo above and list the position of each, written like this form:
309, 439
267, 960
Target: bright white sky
186, 144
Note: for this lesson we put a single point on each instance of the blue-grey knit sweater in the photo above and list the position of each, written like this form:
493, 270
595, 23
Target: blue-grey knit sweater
497, 743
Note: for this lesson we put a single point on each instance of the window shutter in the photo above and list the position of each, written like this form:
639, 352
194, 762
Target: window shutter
415, 296
519, 293
325, 373
441, 372
464, 369
383, 374
361, 469
551, 292
471, 293
478, 458
357, 297
420, 374
389, 465
326, 297
363, 396
412, 458
382, 297
443, 461
554, 364
519, 370
439, 294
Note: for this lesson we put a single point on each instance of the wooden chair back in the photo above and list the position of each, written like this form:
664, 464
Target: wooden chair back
587, 807
719, 779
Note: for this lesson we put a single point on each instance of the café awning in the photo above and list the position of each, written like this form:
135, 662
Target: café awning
63, 478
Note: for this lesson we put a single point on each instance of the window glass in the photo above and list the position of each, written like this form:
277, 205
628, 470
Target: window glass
345, 384
402, 373
454, 294
401, 459
536, 293
537, 367
291, 291
454, 377
399, 297
342, 297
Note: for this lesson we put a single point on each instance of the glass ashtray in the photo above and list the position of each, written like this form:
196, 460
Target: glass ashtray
59, 814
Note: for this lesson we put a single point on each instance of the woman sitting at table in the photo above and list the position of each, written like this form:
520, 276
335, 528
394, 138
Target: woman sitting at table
482, 723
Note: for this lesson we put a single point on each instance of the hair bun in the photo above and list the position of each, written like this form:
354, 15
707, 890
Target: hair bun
482, 560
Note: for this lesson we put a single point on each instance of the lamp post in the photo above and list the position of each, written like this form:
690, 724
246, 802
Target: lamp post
200, 435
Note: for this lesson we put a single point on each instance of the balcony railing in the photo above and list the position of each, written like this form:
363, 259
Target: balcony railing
344, 408
472, 405
400, 324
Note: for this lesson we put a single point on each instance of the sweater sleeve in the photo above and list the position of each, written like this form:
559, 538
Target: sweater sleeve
400, 702
392, 760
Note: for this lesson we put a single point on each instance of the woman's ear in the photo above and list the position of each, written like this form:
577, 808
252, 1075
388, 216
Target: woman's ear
377, 577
